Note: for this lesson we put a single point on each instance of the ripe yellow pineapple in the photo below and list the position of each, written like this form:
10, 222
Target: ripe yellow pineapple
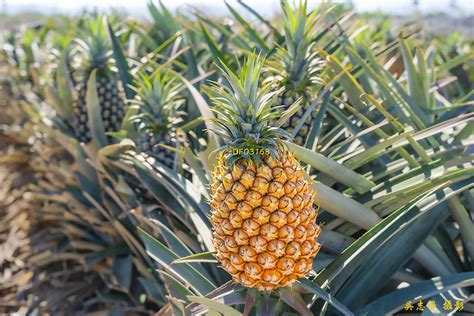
262, 206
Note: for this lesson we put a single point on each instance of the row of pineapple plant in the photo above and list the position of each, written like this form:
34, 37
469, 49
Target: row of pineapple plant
143, 137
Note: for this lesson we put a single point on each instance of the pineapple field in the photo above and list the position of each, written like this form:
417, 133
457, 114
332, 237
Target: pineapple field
317, 162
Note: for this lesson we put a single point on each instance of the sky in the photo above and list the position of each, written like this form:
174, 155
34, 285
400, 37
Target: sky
462, 8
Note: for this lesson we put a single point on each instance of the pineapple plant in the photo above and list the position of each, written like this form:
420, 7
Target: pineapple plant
296, 65
157, 102
95, 55
262, 206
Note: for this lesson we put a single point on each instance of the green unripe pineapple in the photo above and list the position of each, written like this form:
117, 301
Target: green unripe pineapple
157, 102
95, 54
296, 66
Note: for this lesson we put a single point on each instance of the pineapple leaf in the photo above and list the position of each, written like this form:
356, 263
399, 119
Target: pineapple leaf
215, 305
158, 190
177, 307
289, 113
316, 128
92, 258
121, 63
201, 103
95, 122
346, 208
466, 226
122, 270
358, 159
199, 257
332, 168
209, 155
178, 198
240, 41
153, 290
196, 165
389, 257
177, 245
453, 62
185, 272
65, 88
250, 300
175, 287
415, 84
350, 85
260, 42
191, 125
229, 292
146, 39
213, 47
278, 36
313, 288
294, 300
366, 246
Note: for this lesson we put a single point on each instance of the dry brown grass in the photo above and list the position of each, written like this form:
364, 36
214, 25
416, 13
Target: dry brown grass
16, 212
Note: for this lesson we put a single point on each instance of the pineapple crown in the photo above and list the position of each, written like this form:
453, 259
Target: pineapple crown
245, 113
157, 101
94, 44
297, 63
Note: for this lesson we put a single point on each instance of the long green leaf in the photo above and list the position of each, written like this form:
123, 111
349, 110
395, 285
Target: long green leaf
340, 205
332, 168
294, 300
388, 258
96, 124
248, 28
341, 269
186, 273
122, 65
466, 226
313, 288
199, 257
215, 305
175, 287
65, 88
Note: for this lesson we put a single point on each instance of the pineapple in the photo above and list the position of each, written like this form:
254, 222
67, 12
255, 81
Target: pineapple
263, 218
158, 102
96, 55
296, 66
